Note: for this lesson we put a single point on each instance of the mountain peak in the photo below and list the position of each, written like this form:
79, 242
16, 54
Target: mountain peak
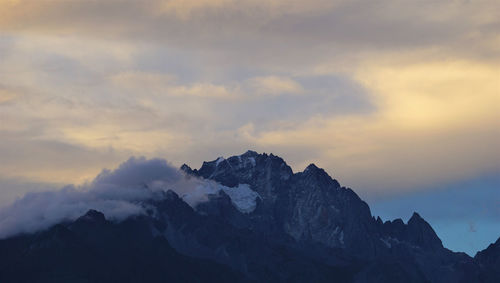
416, 217
312, 166
186, 169
219, 160
250, 153
421, 233
244, 168
92, 216
313, 171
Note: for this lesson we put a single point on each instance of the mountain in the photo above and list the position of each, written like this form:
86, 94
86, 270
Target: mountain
489, 262
265, 224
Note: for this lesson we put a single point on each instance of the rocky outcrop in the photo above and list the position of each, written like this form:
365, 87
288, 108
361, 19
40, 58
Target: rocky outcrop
489, 262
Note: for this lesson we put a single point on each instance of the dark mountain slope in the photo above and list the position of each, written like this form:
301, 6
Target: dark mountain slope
92, 249
489, 262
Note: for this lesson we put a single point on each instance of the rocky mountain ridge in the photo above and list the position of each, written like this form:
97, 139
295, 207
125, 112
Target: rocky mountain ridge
268, 224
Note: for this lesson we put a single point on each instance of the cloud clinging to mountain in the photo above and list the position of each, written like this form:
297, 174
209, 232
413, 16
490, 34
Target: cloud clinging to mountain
118, 194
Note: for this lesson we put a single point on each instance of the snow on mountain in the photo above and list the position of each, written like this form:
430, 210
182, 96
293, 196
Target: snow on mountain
242, 197
219, 160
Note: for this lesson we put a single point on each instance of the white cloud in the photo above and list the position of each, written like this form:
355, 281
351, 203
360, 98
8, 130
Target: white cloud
118, 194
274, 85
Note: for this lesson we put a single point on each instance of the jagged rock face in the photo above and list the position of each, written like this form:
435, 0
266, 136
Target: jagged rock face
319, 210
421, 234
309, 206
264, 173
417, 233
216, 230
489, 262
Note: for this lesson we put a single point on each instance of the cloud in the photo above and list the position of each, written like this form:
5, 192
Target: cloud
432, 122
13, 188
274, 85
374, 92
372, 155
40, 160
185, 9
6, 95
203, 90
436, 93
269, 31
118, 194
161, 84
158, 84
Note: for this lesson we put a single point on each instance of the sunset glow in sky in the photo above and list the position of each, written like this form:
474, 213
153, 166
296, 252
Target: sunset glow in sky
393, 98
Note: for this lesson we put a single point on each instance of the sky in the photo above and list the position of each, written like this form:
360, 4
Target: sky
399, 100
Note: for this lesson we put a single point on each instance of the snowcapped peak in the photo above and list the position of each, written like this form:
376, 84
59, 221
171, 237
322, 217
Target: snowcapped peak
219, 160
248, 157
